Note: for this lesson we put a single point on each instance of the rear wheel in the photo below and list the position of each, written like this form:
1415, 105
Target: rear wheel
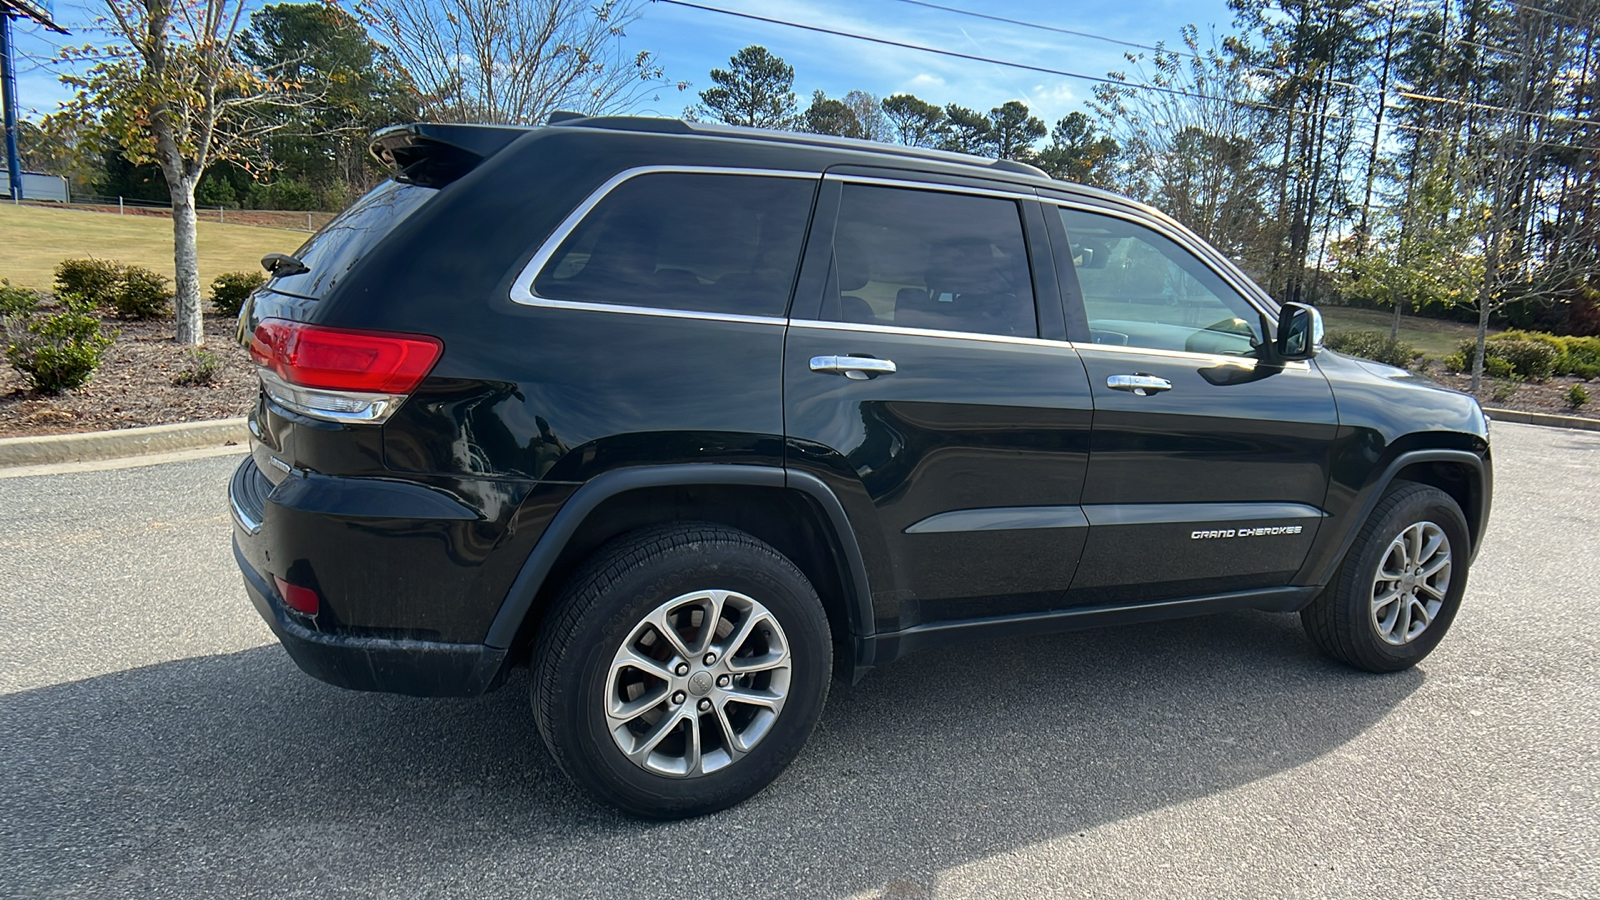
681, 670
1399, 586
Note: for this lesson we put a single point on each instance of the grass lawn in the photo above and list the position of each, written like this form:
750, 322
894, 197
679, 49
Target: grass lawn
33, 239
1434, 337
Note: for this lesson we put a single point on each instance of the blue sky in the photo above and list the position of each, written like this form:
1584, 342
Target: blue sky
690, 42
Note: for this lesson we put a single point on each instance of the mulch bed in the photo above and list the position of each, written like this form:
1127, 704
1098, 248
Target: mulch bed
1549, 397
134, 384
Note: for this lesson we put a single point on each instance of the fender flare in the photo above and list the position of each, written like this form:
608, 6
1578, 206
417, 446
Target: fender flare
530, 579
1481, 482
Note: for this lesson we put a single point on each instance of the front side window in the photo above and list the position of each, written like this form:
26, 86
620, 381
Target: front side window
928, 259
1141, 289
687, 241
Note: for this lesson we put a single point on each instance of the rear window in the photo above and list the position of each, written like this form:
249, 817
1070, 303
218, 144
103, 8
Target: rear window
702, 242
334, 251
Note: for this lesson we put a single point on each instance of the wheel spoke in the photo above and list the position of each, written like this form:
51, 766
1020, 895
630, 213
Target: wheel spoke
1402, 620
1393, 569
1392, 595
642, 748
661, 623
708, 625
737, 639
1439, 561
1414, 545
766, 662
627, 658
749, 697
1430, 548
1419, 613
621, 713
730, 738
691, 746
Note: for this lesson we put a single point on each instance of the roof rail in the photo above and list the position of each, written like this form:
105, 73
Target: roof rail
679, 126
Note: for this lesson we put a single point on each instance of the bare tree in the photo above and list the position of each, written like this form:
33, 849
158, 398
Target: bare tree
169, 89
515, 61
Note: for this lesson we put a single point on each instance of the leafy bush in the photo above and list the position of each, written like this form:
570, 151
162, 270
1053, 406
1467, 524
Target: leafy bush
1373, 345
143, 294
92, 281
1534, 360
1495, 367
1578, 356
15, 301
229, 290
1504, 388
55, 353
202, 369
1576, 396
286, 194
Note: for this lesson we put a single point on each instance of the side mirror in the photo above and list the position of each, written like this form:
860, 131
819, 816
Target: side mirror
1299, 332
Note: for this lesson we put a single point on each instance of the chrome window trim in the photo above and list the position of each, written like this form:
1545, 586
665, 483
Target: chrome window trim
1246, 362
522, 287
869, 328
1176, 237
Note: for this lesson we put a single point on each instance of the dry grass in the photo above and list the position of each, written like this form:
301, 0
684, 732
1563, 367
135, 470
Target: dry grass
1434, 337
34, 238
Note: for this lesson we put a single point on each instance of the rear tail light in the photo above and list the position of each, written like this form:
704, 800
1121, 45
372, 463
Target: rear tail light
340, 374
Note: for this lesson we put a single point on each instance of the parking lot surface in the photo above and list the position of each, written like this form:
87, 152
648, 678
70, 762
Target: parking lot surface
156, 742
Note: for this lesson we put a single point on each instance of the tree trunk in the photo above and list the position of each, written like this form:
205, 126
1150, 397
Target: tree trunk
186, 263
1394, 327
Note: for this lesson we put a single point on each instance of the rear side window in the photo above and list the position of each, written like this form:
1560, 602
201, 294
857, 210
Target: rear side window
334, 251
928, 259
702, 242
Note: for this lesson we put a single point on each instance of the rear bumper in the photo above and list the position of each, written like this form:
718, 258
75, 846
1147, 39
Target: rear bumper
418, 668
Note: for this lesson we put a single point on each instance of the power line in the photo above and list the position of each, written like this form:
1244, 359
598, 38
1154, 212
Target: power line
1042, 27
1116, 82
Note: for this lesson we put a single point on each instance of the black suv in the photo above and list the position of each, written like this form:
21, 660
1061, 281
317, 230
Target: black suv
689, 418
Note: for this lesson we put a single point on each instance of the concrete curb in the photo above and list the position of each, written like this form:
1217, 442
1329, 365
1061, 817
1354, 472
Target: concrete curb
1529, 418
100, 445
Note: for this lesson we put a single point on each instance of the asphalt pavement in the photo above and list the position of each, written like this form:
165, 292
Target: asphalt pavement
156, 742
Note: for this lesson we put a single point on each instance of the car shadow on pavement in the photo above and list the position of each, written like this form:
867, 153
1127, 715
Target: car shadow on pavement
236, 775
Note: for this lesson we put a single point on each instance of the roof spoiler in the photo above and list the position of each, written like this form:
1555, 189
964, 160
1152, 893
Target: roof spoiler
434, 155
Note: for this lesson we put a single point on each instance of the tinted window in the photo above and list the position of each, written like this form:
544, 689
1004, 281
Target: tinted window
712, 243
1141, 289
342, 243
925, 259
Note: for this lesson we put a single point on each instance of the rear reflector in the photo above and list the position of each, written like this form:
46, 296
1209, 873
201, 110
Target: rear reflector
299, 599
340, 359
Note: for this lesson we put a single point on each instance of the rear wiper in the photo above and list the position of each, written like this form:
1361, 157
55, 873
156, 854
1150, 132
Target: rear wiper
282, 264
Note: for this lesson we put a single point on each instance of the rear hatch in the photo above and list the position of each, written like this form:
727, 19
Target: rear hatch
326, 389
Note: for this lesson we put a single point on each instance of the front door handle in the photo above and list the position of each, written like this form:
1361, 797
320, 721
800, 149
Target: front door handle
855, 368
1139, 383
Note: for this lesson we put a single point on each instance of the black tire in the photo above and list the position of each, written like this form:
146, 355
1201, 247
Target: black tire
608, 600
1341, 621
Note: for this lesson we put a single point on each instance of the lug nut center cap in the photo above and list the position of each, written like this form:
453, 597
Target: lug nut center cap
700, 683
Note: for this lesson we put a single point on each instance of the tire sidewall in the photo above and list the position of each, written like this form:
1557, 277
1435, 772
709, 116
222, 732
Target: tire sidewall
1422, 504
580, 677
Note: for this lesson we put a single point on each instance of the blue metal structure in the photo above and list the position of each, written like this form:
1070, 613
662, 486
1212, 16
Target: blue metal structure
39, 11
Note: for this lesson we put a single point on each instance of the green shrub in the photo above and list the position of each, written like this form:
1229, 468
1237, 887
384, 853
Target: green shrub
202, 369
1495, 367
1534, 360
1456, 362
15, 301
229, 290
1503, 389
1574, 355
143, 294
55, 353
1373, 345
92, 281
1576, 396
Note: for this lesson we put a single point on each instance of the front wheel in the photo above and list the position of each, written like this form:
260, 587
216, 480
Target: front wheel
681, 670
1399, 586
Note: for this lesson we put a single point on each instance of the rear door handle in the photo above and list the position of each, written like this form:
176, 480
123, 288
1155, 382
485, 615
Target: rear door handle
855, 368
1139, 383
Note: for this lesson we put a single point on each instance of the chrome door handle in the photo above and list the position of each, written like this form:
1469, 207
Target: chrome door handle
855, 368
1140, 383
